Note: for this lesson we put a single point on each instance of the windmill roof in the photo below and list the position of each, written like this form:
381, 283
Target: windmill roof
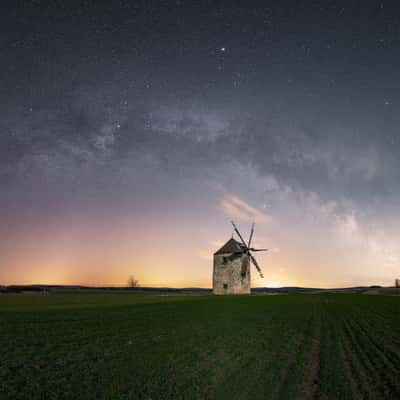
231, 246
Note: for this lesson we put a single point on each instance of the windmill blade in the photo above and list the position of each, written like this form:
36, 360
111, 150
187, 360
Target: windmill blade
238, 233
245, 266
256, 265
253, 249
251, 234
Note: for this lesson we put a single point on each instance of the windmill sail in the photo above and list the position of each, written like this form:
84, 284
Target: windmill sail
251, 235
245, 266
247, 250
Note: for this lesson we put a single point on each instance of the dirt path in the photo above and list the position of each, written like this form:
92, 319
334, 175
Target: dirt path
312, 381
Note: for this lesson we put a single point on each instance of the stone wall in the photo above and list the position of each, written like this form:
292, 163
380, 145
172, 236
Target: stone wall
228, 272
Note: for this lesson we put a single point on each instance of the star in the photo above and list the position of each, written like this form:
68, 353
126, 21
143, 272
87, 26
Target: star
223, 49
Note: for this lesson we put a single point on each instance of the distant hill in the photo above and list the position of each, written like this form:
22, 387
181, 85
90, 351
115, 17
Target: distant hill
295, 289
375, 289
383, 290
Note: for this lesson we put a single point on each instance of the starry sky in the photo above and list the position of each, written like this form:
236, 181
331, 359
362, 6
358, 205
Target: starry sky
132, 132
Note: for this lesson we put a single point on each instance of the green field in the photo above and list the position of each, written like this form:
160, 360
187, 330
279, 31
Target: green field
128, 346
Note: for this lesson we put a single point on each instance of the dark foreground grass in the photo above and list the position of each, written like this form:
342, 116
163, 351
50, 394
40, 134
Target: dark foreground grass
126, 346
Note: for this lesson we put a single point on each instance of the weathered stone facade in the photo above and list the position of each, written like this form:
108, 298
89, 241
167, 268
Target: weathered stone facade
231, 274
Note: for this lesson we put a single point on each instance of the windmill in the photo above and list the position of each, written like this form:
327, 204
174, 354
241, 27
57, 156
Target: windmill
232, 262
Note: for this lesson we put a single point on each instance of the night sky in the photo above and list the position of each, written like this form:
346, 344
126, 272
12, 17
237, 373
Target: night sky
132, 132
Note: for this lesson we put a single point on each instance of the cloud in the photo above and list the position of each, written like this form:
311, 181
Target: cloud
238, 209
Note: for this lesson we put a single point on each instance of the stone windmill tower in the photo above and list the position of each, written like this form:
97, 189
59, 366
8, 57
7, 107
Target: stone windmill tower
231, 274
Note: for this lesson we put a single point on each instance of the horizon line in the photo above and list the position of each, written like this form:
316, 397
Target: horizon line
117, 286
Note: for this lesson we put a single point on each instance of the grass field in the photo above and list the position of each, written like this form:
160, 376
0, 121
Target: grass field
128, 346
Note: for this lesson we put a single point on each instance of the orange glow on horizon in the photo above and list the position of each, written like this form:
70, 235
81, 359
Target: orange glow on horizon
174, 251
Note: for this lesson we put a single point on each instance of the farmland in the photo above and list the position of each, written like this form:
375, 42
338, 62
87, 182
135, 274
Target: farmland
130, 346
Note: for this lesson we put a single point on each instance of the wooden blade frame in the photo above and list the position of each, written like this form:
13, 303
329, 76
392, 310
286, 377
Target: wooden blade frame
251, 235
245, 266
238, 233
247, 250
256, 265
253, 249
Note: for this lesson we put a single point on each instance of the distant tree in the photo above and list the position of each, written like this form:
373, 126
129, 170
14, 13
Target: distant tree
132, 282
397, 283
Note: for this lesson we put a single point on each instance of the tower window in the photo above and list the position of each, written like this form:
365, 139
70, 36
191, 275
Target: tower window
225, 286
224, 260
